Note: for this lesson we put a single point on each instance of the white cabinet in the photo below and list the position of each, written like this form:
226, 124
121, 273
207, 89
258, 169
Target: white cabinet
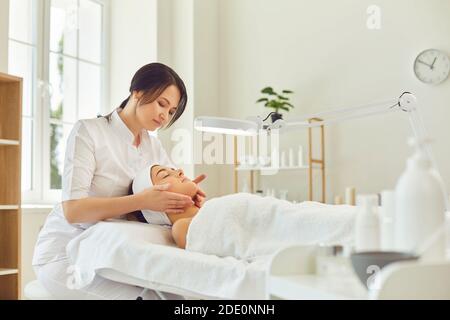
292, 275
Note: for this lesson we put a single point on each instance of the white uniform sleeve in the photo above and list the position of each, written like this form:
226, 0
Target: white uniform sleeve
79, 164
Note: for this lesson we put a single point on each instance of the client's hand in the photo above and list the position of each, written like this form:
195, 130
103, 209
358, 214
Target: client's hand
158, 199
199, 198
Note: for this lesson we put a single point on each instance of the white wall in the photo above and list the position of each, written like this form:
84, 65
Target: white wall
325, 53
187, 41
206, 80
176, 38
132, 43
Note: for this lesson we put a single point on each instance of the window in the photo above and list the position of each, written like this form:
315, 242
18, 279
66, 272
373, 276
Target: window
56, 46
22, 56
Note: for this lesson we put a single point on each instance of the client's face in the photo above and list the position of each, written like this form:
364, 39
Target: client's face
178, 182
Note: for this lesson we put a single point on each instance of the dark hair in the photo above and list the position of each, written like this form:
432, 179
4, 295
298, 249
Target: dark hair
153, 79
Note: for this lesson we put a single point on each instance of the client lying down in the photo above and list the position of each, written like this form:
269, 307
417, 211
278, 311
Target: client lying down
244, 225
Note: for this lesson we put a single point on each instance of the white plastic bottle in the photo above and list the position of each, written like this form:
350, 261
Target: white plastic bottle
245, 187
367, 226
419, 206
387, 214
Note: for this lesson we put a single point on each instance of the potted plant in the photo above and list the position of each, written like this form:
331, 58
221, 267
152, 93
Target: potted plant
276, 101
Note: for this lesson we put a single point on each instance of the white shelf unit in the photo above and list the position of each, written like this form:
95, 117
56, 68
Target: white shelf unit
292, 276
9, 142
312, 163
305, 287
5, 272
9, 207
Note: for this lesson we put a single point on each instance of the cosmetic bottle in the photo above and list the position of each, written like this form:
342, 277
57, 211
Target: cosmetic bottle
387, 213
367, 226
245, 187
283, 194
419, 205
291, 157
283, 159
350, 195
300, 156
338, 200
272, 193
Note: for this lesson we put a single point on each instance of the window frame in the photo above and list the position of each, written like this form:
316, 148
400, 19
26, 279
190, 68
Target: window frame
40, 192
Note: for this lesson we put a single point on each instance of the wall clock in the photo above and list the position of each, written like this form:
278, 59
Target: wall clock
432, 66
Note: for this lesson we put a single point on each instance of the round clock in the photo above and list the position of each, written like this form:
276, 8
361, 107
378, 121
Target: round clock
432, 66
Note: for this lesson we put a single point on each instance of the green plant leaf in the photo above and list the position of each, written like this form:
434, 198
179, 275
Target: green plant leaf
287, 91
284, 108
268, 90
288, 104
283, 98
262, 99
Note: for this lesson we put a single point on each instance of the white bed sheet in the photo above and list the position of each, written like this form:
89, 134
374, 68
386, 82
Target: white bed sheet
162, 265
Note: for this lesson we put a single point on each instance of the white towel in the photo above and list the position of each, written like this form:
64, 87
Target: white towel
245, 226
148, 255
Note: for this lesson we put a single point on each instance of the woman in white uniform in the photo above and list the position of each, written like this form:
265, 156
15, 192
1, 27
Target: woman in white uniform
102, 157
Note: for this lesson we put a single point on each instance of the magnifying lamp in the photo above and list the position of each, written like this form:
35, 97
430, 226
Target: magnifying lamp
226, 126
406, 102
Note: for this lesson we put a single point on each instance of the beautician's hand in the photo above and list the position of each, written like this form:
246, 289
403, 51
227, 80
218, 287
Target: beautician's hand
199, 198
158, 198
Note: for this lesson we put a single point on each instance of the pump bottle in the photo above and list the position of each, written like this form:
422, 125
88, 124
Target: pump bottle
419, 206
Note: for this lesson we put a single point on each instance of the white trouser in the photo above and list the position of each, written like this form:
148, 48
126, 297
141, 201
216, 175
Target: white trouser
55, 277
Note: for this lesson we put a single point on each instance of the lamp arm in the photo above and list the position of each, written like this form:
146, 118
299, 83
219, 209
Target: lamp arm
406, 102
341, 114
343, 117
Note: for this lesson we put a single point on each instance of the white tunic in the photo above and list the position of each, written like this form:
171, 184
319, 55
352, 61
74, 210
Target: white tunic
100, 161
